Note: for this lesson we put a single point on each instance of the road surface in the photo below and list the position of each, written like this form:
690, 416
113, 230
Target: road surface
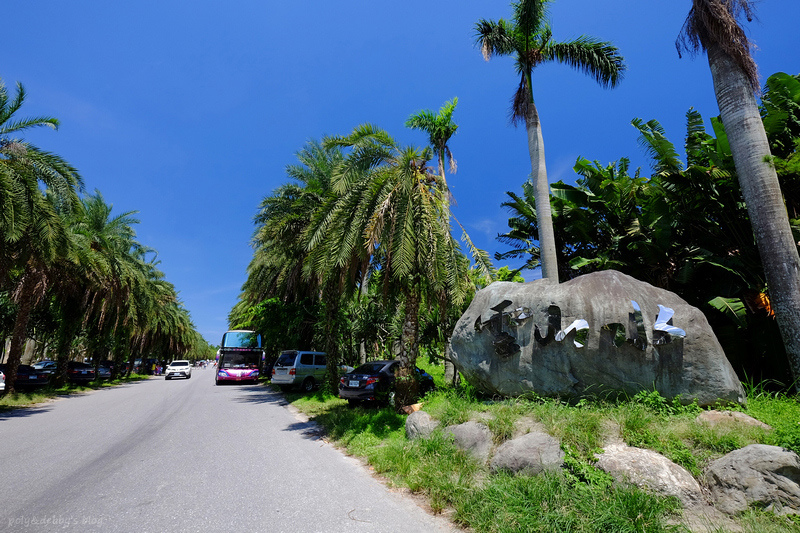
186, 456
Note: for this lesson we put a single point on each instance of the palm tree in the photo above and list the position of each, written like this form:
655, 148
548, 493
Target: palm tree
439, 127
44, 244
283, 263
713, 26
528, 38
279, 250
112, 257
32, 233
394, 208
23, 169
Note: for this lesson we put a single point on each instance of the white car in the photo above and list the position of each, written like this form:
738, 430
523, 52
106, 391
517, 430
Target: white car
178, 369
2, 381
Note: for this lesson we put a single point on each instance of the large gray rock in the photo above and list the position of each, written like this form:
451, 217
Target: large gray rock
419, 424
650, 470
530, 454
768, 476
473, 438
516, 338
730, 418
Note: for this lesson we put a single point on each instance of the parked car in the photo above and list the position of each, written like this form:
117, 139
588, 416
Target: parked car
299, 368
27, 377
375, 382
78, 372
2, 383
48, 367
103, 372
178, 369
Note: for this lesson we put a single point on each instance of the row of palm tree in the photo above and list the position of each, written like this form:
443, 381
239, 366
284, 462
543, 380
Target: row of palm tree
363, 215
72, 275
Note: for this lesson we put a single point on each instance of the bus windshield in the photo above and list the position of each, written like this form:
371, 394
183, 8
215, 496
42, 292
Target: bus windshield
241, 339
240, 360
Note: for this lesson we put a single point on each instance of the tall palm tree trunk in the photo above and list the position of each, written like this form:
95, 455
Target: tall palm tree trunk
407, 388
544, 217
331, 331
450, 372
762, 194
18, 335
67, 330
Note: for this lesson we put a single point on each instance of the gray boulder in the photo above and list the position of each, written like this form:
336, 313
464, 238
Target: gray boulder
596, 334
768, 476
473, 438
652, 471
420, 424
731, 418
530, 454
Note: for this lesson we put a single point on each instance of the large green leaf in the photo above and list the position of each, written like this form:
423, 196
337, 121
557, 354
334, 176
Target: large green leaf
733, 308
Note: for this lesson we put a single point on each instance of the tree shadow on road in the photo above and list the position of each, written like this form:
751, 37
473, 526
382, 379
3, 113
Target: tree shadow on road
258, 394
9, 411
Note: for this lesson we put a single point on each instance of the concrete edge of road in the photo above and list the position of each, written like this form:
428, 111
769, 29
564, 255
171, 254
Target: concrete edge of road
312, 428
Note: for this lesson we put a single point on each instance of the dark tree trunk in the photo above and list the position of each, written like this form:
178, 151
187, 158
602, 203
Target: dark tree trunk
762, 195
407, 388
19, 333
331, 329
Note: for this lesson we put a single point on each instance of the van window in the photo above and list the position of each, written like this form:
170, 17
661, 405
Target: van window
320, 360
286, 359
307, 359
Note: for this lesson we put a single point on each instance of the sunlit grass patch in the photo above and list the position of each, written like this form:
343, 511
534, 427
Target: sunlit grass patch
577, 498
782, 412
548, 502
760, 521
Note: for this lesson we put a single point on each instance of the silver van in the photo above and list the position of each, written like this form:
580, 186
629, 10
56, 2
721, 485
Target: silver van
297, 367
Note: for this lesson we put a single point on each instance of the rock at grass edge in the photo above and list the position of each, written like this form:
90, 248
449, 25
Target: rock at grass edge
649, 470
529, 454
759, 474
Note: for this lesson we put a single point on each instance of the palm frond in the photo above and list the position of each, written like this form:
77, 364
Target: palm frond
598, 59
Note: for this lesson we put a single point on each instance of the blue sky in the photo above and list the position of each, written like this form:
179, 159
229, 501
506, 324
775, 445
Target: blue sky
189, 112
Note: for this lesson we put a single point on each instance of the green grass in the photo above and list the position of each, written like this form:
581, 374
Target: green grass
780, 411
549, 502
579, 497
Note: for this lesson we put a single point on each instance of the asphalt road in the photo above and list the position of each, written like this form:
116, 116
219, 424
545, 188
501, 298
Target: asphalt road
184, 456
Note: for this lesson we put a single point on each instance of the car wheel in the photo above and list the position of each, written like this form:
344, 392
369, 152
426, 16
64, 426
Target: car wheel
308, 385
166, 378
353, 403
189, 376
216, 382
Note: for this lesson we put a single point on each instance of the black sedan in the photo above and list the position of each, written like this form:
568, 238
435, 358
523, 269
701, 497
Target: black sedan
48, 367
374, 382
27, 377
80, 372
